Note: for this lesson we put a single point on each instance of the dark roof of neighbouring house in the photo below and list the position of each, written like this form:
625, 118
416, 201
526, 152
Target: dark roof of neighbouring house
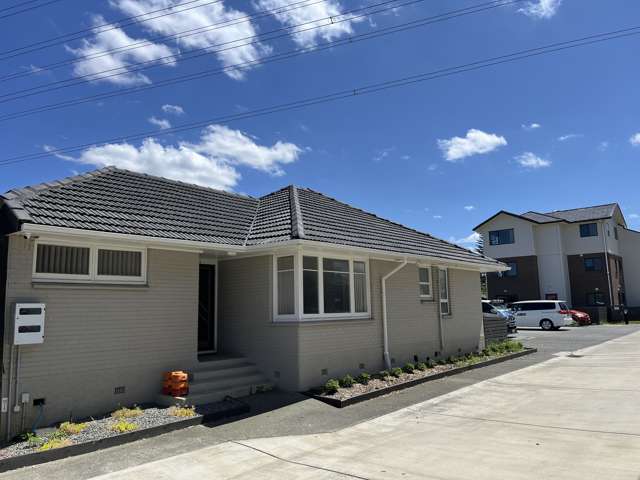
125, 202
575, 215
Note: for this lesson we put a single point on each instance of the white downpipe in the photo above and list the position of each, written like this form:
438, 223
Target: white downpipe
605, 231
385, 330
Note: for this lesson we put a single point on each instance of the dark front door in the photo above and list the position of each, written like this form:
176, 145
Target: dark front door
207, 309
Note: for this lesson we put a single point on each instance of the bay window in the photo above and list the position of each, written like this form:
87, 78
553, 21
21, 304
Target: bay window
328, 287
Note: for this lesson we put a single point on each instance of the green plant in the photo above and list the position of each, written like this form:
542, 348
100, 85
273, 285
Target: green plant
54, 443
408, 367
431, 364
383, 374
70, 428
178, 411
347, 381
331, 386
363, 378
125, 412
421, 366
33, 440
123, 426
396, 372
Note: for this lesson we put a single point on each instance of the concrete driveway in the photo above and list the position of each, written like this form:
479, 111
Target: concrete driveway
574, 416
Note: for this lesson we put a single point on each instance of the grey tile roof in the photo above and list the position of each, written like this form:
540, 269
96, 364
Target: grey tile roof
539, 217
120, 201
584, 214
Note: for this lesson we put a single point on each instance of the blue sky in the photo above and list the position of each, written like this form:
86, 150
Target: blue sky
552, 132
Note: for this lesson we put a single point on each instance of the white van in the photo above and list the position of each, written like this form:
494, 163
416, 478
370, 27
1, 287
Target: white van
546, 314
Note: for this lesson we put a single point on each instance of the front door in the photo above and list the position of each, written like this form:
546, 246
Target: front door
207, 309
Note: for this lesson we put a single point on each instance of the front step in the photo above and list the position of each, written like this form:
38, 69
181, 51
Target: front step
214, 380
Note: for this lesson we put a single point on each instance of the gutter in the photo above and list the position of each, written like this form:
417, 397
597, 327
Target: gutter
385, 330
606, 261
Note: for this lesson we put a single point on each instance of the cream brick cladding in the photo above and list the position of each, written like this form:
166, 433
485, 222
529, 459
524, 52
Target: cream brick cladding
99, 337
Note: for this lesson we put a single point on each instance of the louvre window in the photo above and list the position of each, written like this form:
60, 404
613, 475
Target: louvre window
62, 260
119, 263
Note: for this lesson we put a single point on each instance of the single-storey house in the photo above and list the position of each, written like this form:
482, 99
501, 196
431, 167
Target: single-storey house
138, 275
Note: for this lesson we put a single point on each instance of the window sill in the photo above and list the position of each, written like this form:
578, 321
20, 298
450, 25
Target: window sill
426, 299
86, 285
321, 320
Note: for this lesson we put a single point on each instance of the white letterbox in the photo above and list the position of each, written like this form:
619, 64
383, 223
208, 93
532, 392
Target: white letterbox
29, 323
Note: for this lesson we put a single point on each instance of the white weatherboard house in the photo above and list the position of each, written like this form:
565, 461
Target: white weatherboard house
586, 256
139, 275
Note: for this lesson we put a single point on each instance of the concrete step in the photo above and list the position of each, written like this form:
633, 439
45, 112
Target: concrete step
219, 372
237, 391
220, 363
197, 387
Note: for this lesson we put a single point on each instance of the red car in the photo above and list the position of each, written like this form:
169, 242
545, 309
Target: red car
581, 318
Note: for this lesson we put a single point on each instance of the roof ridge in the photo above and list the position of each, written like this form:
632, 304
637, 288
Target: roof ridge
397, 223
253, 222
297, 226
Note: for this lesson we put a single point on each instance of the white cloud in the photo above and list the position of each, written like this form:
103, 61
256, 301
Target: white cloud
161, 123
382, 154
541, 8
635, 140
116, 62
468, 208
212, 161
173, 109
437, 217
603, 146
308, 16
531, 126
49, 148
531, 160
474, 143
432, 167
201, 18
569, 136
472, 239
634, 216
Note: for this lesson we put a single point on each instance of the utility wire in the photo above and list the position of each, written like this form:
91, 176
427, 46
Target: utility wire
200, 52
27, 9
123, 22
252, 63
344, 94
175, 36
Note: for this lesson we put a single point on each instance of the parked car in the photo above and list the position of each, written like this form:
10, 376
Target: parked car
546, 314
581, 318
492, 311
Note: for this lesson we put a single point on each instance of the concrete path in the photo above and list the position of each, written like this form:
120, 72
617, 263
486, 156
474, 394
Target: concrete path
573, 417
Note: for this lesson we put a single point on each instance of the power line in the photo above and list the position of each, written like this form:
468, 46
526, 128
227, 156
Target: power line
27, 9
343, 94
33, 47
150, 41
265, 60
200, 52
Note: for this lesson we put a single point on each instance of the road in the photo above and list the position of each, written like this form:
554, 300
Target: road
545, 415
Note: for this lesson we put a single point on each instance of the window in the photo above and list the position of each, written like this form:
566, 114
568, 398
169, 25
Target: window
443, 283
335, 279
589, 230
424, 282
595, 299
73, 263
593, 264
62, 260
551, 296
314, 287
501, 237
615, 232
286, 296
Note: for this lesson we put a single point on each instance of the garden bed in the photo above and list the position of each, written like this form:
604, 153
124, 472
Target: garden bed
69, 439
383, 383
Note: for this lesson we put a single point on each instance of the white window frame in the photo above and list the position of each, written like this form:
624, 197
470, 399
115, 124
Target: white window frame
299, 315
448, 300
93, 276
429, 282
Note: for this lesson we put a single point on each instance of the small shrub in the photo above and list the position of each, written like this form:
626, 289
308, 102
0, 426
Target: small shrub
125, 412
123, 426
431, 364
396, 372
33, 440
55, 443
383, 374
347, 381
178, 411
70, 428
331, 386
408, 367
441, 362
363, 378
421, 366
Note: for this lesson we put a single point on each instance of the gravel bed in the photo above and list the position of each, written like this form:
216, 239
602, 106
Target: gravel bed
97, 430
377, 383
